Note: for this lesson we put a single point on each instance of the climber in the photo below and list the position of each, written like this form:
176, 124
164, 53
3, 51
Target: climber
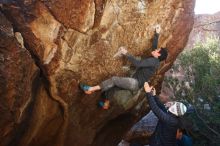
145, 69
168, 122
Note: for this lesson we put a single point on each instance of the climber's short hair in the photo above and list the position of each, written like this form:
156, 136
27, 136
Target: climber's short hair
163, 54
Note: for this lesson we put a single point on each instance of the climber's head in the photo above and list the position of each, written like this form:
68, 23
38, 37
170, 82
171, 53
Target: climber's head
161, 54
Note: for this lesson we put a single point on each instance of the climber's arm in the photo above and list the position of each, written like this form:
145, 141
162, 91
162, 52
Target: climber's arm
155, 41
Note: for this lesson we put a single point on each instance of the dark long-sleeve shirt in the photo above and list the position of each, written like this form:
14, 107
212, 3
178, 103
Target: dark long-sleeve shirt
145, 67
160, 105
165, 133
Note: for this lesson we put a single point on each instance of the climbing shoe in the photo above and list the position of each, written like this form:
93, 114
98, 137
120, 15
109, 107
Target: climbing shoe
104, 104
85, 88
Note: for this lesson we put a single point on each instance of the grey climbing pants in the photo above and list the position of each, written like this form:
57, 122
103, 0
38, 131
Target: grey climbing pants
122, 82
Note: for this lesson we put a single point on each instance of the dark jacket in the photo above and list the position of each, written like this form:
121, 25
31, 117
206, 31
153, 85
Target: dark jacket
145, 68
160, 105
165, 133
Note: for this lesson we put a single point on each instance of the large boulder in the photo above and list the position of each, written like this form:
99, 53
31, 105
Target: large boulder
61, 43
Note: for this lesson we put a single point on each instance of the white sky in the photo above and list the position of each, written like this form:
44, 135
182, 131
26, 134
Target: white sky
207, 6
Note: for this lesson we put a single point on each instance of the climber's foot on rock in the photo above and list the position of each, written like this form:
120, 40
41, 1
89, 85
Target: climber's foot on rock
85, 88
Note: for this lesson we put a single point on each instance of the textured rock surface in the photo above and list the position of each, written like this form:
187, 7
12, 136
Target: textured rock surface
143, 129
67, 41
18, 74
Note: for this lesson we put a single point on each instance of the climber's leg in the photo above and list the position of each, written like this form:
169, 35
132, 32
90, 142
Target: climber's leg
89, 89
122, 82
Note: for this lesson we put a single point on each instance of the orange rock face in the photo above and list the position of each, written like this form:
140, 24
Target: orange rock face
63, 42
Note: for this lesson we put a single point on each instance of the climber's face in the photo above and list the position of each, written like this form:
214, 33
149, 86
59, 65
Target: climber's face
156, 53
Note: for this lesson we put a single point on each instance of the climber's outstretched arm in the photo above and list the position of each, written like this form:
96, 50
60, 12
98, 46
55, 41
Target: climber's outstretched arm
156, 37
155, 41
